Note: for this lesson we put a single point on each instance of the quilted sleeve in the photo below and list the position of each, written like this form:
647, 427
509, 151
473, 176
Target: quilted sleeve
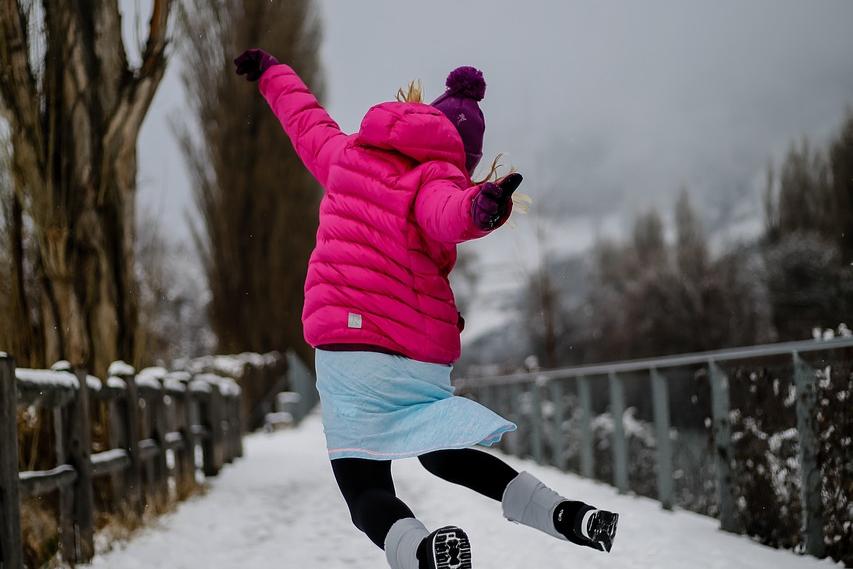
444, 211
316, 138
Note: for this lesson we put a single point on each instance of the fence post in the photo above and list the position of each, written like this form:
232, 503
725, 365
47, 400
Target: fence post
67, 543
812, 526
116, 437
558, 448
11, 552
587, 455
133, 474
213, 421
79, 456
536, 422
185, 479
722, 445
620, 447
660, 399
161, 467
192, 418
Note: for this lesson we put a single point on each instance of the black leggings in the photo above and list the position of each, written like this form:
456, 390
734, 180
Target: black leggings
368, 488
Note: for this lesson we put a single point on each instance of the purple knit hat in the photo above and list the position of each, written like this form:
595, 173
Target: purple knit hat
465, 87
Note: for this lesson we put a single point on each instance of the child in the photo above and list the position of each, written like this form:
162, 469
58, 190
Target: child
381, 315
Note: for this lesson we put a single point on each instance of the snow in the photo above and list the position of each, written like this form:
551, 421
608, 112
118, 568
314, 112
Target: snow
61, 365
120, 368
47, 379
182, 376
156, 373
108, 455
198, 385
279, 507
226, 385
174, 385
148, 381
116, 383
233, 365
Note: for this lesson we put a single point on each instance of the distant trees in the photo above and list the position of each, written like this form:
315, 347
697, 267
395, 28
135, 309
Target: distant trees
649, 297
808, 242
652, 296
74, 106
258, 203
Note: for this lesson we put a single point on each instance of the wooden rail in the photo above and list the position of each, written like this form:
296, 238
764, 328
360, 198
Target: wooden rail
150, 414
507, 393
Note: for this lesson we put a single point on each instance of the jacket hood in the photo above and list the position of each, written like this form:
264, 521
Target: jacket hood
416, 130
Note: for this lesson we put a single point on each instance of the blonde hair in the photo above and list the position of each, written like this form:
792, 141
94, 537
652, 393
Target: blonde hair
521, 202
414, 93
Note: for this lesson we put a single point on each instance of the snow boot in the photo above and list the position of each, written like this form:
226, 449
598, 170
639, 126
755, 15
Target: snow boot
402, 541
584, 525
528, 501
445, 548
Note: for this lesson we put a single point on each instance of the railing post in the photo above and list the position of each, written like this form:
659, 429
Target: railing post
722, 445
587, 455
79, 456
555, 387
536, 422
516, 400
503, 407
660, 399
11, 552
484, 396
304, 383
812, 522
620, 447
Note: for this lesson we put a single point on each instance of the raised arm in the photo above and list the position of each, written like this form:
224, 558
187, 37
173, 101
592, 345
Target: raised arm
449, 214
315, 136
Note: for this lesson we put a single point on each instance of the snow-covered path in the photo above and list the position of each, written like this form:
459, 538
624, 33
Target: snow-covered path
279, 508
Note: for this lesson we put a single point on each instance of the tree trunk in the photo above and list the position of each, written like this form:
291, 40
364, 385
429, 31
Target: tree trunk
75, 116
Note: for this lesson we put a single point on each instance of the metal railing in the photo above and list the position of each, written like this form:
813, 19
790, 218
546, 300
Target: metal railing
507, 393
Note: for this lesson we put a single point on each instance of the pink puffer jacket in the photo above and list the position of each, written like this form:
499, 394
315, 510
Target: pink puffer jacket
397, 202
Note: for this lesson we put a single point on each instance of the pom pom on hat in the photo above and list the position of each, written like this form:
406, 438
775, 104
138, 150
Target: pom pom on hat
466, 82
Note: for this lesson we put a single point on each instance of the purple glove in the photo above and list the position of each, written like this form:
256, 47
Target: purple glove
253, 62
492, 203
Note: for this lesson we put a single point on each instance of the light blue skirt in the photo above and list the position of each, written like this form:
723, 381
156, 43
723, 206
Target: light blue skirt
383, 407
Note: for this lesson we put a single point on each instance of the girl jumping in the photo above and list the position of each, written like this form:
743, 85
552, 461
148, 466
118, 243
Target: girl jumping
380, 313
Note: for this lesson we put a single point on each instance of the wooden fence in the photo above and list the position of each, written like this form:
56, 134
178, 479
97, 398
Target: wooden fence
524, 397
151, 414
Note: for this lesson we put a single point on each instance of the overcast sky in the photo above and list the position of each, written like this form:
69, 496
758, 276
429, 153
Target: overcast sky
606, 106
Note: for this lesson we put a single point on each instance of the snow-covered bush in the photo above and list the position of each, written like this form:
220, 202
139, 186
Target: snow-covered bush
835, 449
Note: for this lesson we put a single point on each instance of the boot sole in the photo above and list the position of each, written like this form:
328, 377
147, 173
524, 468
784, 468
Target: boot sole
451, 549
606, 529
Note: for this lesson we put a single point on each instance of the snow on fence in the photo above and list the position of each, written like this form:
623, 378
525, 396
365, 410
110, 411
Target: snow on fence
150, 413
557, 416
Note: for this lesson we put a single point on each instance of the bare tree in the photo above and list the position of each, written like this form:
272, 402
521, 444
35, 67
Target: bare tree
75, 107
257, 201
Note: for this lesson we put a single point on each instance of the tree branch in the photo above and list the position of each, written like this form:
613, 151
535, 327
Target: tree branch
17, 84
136, 97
